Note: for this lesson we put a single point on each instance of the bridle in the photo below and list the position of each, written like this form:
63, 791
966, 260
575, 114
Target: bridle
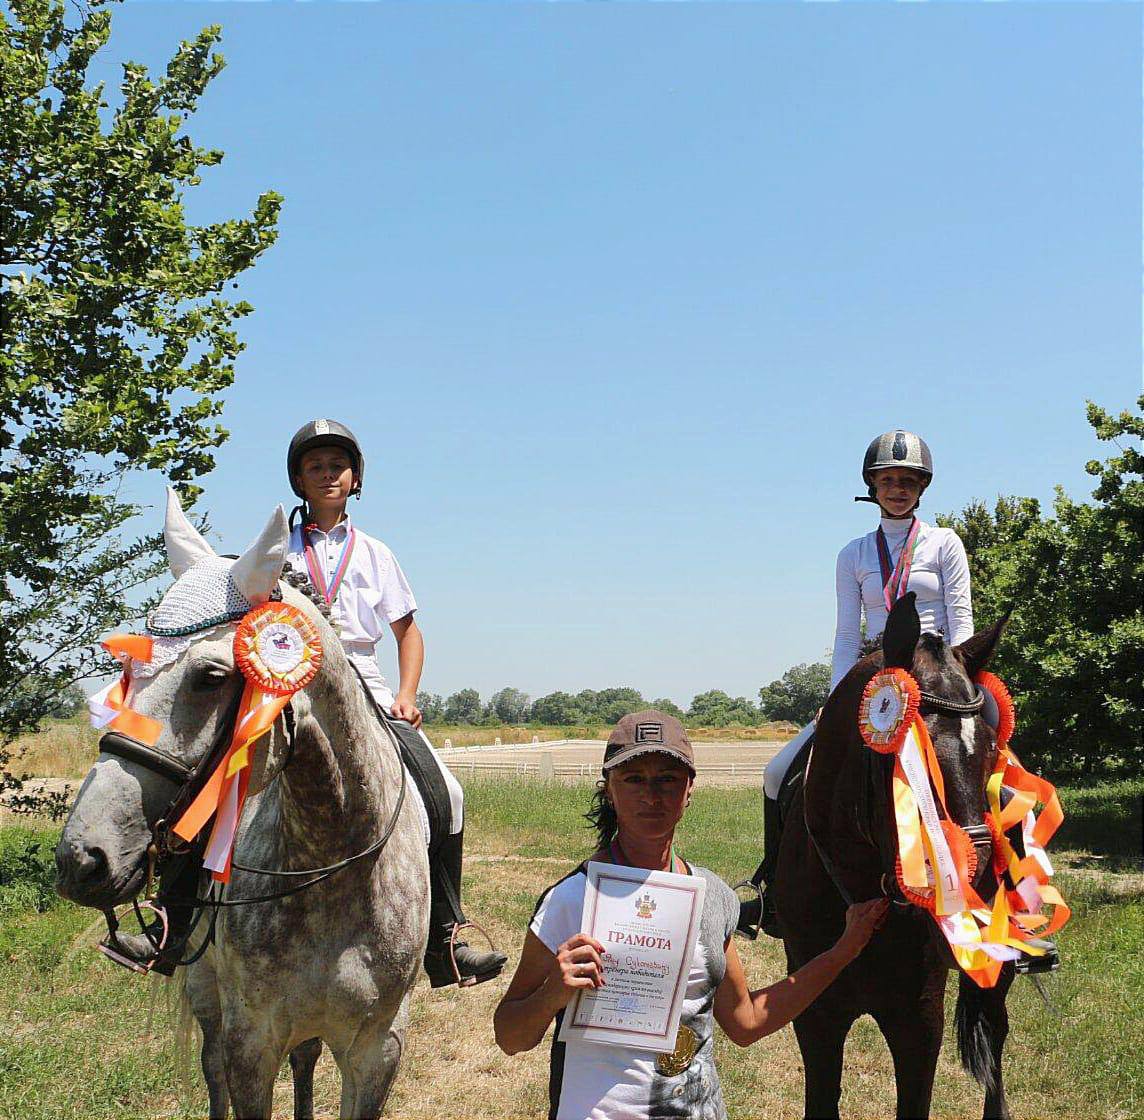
979, 834
189, 780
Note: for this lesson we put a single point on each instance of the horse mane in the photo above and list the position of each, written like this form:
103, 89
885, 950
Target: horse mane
301, 581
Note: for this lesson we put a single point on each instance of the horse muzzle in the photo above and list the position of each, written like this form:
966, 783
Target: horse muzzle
85, 875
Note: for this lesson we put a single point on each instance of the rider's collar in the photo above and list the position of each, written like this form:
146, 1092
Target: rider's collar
896, 526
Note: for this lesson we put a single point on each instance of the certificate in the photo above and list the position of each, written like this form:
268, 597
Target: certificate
648, 923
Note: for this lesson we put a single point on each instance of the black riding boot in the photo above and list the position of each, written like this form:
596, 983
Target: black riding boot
140, 951
473, 966
759, 913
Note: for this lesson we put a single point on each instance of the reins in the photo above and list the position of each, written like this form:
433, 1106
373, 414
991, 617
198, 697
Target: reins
166, 766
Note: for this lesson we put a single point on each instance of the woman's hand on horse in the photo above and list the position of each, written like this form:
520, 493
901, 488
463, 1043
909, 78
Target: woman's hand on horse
579, 964
862, 919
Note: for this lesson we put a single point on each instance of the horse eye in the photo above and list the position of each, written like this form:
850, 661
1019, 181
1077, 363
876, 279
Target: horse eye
209, 677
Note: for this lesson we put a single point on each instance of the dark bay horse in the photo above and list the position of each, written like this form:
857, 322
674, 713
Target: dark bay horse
839, 840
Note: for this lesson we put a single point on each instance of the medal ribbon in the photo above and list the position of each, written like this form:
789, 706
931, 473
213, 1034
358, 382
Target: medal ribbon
619, 857
896, 577
315, 569
980, 935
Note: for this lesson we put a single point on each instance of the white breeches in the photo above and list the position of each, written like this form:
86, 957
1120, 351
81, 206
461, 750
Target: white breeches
778, 766
383, 694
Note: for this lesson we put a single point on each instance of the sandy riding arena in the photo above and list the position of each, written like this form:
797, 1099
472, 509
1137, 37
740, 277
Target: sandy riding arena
718, 763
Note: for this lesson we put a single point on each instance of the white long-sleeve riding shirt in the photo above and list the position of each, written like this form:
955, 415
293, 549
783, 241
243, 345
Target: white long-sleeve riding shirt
939, 577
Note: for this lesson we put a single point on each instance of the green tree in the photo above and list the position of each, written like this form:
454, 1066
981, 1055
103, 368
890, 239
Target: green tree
797, 694
1073, 651
117, 341
557, 709
463, 707
432, 707
670, 707
612, 704
509, 705
716, 709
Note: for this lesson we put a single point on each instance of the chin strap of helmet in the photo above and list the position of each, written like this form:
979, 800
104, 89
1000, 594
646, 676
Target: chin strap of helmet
874, 501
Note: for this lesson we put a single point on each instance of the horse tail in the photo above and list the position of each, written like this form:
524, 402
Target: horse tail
975, 1042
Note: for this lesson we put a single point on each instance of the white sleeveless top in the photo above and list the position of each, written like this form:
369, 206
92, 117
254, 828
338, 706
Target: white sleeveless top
939, 577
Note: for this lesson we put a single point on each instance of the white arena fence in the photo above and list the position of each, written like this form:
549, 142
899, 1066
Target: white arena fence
472, 766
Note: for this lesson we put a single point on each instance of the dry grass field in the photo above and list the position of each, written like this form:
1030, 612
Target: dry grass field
84, 1039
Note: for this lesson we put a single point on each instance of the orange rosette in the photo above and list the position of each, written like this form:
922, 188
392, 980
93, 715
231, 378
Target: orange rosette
888, 709
964, 857
278, 648
1007, 713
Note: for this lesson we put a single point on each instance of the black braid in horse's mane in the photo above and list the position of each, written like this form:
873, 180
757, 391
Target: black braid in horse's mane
300, 581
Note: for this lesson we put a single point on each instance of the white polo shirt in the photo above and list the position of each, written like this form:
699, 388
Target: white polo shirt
374, 591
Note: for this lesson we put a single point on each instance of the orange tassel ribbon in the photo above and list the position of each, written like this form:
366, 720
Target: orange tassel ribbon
937, 861
279, 651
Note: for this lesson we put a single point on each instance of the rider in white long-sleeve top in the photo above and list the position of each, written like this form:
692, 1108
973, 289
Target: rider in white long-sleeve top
897, 468
939, 577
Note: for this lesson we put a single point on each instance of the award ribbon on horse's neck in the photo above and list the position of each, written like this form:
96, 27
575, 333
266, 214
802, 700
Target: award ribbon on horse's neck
329, 593
896, 577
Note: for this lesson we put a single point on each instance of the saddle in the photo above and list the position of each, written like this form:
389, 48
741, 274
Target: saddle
793, 780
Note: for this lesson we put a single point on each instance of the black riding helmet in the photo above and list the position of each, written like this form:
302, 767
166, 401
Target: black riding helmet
898, 448
324, 433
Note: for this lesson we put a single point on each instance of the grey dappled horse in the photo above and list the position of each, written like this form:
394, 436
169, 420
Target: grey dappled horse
334, 962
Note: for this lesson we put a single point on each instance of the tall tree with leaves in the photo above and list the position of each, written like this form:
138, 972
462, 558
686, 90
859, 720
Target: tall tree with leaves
798, 694
117, 339
1073, 652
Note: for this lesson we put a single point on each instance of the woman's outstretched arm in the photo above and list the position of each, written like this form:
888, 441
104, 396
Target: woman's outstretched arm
747, 1016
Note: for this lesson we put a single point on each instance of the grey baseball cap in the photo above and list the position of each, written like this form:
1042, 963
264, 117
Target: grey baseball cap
647, 732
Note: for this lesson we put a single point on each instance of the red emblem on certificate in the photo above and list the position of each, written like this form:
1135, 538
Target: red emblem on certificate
278, 649
888, 709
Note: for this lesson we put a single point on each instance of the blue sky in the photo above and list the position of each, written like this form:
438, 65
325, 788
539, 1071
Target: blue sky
616, 295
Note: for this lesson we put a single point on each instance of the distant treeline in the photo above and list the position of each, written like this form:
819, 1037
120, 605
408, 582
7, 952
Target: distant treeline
796, 696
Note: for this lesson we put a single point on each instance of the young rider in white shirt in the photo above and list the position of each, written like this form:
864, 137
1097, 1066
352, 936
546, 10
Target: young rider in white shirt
902, 554
368, 593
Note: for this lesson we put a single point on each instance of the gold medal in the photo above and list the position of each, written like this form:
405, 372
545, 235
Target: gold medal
680, 1058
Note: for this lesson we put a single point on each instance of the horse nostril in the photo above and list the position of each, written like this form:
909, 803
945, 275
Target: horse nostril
82, 866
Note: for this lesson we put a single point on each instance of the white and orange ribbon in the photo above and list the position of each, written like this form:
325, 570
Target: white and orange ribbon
937, 861
279, 651
108, 706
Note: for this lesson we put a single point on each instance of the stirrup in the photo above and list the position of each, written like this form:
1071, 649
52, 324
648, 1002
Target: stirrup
108, 947
472, 979
750, 910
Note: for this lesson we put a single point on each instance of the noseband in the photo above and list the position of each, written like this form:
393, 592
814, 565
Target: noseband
189, 779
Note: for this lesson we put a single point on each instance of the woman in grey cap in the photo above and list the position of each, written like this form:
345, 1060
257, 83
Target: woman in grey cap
902, 554
648, 774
